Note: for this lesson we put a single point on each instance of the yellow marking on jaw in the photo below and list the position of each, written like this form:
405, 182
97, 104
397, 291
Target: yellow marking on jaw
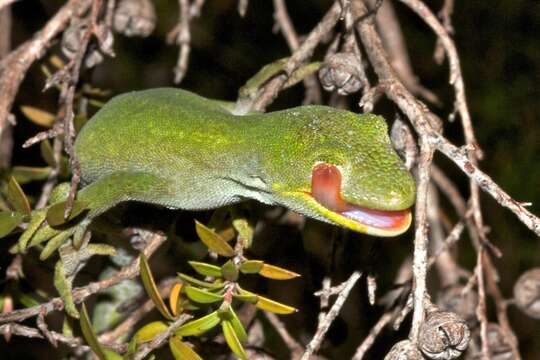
339, 219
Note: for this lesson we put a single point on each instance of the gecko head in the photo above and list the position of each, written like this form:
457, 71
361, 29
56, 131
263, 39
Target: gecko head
343, 170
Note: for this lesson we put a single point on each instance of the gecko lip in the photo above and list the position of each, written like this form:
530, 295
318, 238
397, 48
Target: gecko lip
326, 190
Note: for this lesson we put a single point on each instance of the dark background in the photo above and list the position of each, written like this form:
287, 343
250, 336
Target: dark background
500, 57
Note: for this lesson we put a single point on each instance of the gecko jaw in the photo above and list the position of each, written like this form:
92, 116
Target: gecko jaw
326, 199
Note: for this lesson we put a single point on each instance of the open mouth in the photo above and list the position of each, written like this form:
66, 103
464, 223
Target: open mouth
326, 191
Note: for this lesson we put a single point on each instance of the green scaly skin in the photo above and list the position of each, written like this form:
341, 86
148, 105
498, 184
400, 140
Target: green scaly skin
174, 148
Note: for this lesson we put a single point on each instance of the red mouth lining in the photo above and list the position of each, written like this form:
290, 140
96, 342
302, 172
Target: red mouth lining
326, 189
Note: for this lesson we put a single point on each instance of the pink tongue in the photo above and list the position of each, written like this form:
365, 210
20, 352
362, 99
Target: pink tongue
326, 189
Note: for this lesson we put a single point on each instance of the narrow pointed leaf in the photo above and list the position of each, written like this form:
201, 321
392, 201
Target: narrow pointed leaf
47, 153
251, 266
38, 116
17, 198
9, 220
213, 241
205, 269
199, 326
26, 174
89, 334
237, 326
151, 288
250, 298
274, 306
277, 273
149, 331
201, 296
173, 299
55, 214
232, 340
191, 280
181, 350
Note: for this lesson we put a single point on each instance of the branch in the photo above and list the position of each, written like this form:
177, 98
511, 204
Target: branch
299, 56
327, 320
159, 340
81, 293
16, 64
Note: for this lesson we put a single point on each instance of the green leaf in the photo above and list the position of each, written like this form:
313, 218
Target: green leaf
245, 231
47, 153
55, 214
149, 331
213, 241
17, 198
201, 296
274, 306
38, 116
251, 266
277, 273
232, 339
181, 350
191, 280
89, 334
229, 271
205, 269
9, 220
151, 288
26, 174
199, 326
250, 298
237, 326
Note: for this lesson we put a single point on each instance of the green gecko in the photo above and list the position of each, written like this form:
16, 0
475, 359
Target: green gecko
176, 149
173, 148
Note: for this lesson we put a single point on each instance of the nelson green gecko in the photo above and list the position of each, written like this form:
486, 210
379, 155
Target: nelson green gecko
176, 149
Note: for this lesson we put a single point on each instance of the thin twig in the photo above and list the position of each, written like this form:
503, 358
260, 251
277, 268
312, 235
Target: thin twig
135, 316
181, 35
81, 293
313, 91
305, 50
329, 317
420, 238
294, 346
373, 333
160, 339
19, 61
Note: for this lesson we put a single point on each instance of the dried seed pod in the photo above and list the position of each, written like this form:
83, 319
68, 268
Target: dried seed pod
341, 72
499, 349
404, 350
527, 293
443, 335
135, 18
453, 299
72, 37
71, 43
